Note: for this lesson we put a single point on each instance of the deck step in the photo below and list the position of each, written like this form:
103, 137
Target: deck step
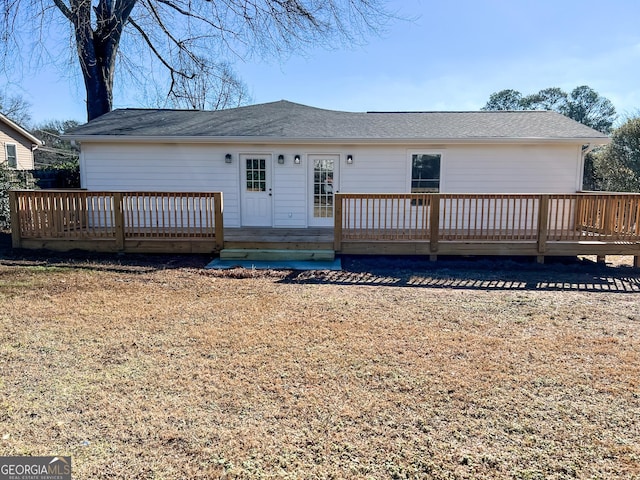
275, 255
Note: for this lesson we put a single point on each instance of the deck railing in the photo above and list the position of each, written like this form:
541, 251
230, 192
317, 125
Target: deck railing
614, 216
79, 215
537, 218
538, 224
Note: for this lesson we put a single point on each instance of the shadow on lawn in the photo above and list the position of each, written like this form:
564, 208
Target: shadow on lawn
106, 262
481, 273
477, 273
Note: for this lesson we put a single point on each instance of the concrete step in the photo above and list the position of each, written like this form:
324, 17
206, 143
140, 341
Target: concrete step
276, 255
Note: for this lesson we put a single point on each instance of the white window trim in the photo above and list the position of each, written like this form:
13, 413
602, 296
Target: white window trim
6, 154
411, 153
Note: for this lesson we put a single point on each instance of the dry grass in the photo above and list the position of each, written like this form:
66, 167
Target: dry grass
500, 371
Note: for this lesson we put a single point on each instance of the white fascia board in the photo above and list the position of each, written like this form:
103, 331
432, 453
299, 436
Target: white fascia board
340, 141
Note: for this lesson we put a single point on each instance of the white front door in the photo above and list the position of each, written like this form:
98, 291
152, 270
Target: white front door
323, 179
256, 190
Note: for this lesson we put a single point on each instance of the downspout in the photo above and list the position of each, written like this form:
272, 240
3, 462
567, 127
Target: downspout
583, 153
81, 166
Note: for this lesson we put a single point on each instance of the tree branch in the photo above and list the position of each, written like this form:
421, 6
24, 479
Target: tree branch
123, 9
156, 52
189, 14
165, 30
64, 9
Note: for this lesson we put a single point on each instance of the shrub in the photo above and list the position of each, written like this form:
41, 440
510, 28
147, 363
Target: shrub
11, 179
59, 175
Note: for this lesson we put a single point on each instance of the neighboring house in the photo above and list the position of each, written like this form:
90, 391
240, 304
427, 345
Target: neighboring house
278, 164
17, 145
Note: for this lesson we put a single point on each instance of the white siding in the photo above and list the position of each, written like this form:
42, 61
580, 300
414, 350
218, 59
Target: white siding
511, 169
375, 170
289, 191
468, 169
543, 168
170, 167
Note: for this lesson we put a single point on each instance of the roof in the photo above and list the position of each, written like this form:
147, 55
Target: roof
14, 126
285, 121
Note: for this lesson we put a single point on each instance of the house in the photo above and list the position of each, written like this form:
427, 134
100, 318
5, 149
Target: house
279, 164
17, 145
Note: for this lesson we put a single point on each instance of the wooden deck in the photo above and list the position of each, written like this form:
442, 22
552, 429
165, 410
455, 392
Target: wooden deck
365, 224
488, 224
105, 221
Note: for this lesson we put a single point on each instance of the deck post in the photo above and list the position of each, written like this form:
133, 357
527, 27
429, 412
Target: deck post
543, 226
337, 222
218, 221
636, 261
14, 215
434, 224
118, 214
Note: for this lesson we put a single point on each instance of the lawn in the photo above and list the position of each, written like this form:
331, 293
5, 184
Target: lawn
159, 369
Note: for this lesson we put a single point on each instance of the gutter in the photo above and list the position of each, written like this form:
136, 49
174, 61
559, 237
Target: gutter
590, 147
591, 141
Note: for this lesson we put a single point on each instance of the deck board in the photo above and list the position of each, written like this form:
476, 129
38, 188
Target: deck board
315, 238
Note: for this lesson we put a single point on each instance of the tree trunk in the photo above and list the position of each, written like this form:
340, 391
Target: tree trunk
97, 49
99, 87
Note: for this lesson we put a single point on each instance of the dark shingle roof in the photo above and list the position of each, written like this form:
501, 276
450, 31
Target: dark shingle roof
285, 120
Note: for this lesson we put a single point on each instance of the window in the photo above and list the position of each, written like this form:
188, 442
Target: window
256, 175
425, 172
12, 156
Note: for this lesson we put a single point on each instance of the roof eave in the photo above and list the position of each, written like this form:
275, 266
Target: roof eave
21, 131
333, 141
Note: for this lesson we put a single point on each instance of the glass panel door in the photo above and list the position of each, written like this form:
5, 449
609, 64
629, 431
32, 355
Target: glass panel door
256, 190
323, 188
324, 184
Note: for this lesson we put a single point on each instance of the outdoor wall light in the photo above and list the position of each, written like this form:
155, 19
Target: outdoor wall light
228, 158
296, 159
281, 159
349, 159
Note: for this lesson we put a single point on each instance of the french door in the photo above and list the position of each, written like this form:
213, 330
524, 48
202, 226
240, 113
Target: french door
323, 180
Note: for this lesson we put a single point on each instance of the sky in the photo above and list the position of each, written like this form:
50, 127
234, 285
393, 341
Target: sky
440, 55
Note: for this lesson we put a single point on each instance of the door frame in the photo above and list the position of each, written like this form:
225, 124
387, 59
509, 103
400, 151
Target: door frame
244, 195
312, 220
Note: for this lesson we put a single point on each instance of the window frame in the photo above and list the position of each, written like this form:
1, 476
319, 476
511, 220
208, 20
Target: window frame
410, 181
15, 155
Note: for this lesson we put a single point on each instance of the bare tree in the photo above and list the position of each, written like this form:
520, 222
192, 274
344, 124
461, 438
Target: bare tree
207, 87
16, 108
190, 39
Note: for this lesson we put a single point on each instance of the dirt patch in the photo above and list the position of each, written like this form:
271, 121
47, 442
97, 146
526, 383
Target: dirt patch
151, 367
